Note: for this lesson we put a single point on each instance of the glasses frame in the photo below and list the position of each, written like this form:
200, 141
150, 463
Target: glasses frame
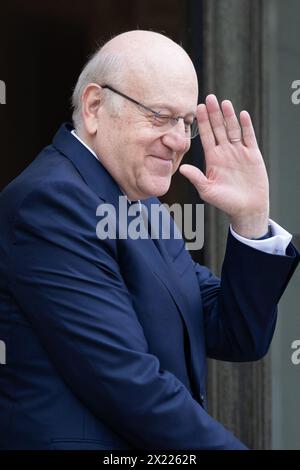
156, 114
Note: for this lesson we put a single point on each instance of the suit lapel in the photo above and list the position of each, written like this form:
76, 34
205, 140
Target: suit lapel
90, 168
165, 272
159, 261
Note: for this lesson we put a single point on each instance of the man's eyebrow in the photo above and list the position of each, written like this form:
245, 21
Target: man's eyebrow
169, 108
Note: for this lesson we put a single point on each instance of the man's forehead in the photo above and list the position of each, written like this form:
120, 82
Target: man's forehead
179, 102
166, 93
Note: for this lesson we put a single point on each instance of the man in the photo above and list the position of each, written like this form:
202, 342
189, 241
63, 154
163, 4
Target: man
106, 339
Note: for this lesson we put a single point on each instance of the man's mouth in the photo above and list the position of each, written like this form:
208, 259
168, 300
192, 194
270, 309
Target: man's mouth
163, 160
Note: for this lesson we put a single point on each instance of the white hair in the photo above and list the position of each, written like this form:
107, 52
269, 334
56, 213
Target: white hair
103, 68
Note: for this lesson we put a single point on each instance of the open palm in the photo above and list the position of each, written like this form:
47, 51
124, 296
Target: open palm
236, 180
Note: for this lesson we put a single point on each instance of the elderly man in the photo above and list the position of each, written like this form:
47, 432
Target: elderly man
106, 339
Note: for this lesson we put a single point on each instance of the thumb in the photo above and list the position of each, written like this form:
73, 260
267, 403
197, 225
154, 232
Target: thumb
195, 176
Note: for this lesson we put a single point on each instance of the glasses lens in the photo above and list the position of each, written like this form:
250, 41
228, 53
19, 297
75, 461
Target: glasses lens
166, 122
194, 128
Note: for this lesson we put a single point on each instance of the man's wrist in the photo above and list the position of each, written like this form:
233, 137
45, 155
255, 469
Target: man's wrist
267, 235
252, 227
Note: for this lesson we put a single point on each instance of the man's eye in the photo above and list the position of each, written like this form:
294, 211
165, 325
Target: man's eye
160, 119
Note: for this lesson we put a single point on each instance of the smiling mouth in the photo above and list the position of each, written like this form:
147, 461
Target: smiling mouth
162, 159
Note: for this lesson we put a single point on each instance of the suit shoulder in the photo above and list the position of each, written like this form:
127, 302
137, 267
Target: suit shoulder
50, 174
49, 166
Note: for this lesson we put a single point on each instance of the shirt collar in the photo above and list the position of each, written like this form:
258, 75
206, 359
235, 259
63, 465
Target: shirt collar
83, 143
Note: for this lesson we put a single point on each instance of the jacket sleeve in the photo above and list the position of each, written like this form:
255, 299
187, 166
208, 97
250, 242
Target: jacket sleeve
69, 286
240, 309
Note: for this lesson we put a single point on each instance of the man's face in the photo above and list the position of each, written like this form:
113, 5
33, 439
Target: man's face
139, 154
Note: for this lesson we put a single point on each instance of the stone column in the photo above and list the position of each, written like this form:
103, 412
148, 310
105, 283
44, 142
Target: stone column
234, 66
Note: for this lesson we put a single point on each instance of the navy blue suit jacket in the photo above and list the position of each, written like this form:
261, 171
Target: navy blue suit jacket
106, 341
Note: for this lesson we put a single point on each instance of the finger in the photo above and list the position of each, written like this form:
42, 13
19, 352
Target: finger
234, 131
248, 130
216, 119
195, 176
205, 131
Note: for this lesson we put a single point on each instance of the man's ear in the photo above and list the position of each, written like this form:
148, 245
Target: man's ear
91, 102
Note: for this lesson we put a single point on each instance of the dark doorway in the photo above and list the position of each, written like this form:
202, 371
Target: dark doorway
43, 47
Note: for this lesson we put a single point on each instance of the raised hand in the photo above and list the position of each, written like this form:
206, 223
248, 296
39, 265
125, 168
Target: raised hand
236, 180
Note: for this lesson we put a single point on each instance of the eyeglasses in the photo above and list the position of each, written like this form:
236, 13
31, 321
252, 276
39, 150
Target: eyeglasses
163, 121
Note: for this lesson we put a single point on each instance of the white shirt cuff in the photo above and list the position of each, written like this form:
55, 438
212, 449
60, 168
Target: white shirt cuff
275, 245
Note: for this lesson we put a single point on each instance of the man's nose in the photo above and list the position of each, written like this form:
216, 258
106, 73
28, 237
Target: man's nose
176, 139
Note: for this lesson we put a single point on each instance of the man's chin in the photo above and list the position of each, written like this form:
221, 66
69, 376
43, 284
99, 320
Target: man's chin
158, 189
